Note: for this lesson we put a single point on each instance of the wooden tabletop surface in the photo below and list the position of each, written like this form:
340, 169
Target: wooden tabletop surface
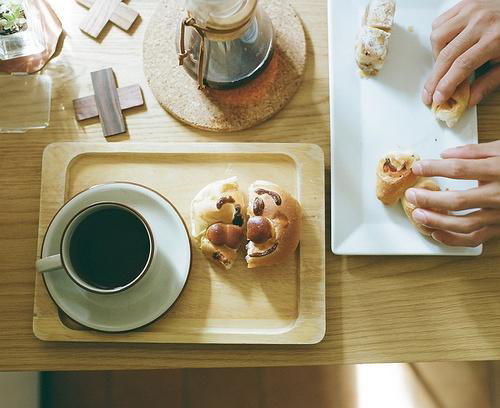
379, 309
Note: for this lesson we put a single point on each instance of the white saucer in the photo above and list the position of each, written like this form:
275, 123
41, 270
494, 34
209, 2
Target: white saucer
155, 293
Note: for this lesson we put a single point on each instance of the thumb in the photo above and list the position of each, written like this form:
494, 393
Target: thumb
485, 84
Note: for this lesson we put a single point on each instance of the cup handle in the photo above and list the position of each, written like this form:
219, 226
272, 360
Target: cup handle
49, 264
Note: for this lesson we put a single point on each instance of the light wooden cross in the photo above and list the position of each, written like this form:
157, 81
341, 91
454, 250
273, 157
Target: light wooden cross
108, 102
102, 11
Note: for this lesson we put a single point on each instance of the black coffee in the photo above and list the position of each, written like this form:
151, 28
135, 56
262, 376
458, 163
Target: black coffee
109, 248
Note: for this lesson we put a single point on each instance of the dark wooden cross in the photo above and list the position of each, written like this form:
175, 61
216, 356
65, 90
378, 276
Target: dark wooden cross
108, 102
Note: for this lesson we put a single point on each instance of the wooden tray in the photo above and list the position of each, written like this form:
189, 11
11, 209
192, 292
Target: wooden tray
279, 305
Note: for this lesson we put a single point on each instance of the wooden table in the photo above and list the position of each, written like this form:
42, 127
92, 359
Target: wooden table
380, 309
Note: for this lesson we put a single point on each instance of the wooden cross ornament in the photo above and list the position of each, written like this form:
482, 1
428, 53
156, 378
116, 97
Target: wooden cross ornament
102, 11
108, 102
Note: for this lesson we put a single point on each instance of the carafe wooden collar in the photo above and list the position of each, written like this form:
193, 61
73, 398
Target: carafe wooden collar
226, 29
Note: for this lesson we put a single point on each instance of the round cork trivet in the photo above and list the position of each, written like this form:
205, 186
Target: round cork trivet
224, 110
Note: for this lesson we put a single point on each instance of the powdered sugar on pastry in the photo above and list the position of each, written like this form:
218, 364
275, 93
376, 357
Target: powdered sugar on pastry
371, 49
373, 38
380, 14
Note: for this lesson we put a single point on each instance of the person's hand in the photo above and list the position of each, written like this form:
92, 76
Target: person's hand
463, 39
472, 162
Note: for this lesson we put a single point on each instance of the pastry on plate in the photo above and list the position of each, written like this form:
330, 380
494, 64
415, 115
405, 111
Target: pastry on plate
428, 184
371, 49
218, 221
394, 176
273, 229
380, 14
373, 39
453, 109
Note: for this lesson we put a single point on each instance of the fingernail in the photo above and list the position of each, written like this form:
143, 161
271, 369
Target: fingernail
426, 97
417, 169
419, 216
438, 98
411, 196
435, 236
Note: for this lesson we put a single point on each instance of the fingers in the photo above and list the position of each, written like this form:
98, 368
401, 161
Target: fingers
480, 197
464, 224
472, 240
445, 58
462, 68
485, 84
473, 151
444, 34
447, 15
464, 169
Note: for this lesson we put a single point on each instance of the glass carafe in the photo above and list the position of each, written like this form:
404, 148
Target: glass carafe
225, 43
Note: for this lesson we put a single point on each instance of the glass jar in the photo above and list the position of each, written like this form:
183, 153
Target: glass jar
224, 44
21, 31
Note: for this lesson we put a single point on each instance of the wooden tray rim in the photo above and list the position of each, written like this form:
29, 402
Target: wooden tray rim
311, 318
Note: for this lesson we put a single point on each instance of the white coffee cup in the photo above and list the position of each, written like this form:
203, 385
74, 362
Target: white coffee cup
105, 248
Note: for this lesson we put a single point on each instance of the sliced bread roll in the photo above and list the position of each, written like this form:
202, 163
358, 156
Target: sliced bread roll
371, 49
380, 14
452, 110
394, 176
273, 229
372, 44
408, 207
218, 221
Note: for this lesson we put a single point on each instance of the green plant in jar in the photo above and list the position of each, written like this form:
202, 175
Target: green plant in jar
12, 17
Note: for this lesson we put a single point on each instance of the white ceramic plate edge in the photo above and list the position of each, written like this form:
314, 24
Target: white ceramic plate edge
340, 248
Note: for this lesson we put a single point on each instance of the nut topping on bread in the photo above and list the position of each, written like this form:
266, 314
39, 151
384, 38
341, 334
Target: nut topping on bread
225, 234
259, 229
276, 197
224, 200
258, 206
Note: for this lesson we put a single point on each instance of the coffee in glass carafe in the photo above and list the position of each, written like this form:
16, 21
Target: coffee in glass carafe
223, 44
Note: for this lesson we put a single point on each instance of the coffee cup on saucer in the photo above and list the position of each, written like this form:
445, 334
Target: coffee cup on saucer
106, 248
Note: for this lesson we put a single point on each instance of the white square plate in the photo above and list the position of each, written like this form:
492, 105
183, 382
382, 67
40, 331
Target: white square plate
372, 116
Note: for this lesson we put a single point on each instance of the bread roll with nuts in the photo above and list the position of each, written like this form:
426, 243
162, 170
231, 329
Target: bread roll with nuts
452, 110
394, 176
218, 221
273, 229
428, 184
